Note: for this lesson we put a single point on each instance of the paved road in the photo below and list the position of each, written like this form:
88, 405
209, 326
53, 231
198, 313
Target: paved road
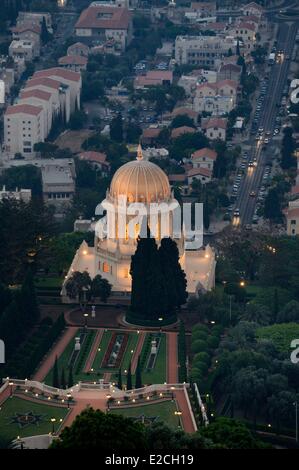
277, 81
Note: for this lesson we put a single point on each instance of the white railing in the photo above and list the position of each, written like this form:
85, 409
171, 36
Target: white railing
110, 388
201, 405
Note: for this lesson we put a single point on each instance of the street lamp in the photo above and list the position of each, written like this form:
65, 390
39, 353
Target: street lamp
68, 400
85, 319
53, 421
11, 388
178, 414
242, 283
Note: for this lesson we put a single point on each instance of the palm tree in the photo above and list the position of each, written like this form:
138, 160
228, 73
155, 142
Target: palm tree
256, 313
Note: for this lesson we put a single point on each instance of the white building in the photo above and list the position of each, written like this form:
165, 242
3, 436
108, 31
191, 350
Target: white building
58, 186
138, 181
23, 49
35, 18
61, 100
104, 22
69, 79
207, 51
216, 98
40, 98
19, 194
215, 128
28, 32
24, 126
204, 158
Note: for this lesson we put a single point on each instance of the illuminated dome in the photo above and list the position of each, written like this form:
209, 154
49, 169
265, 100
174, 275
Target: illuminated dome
140, 181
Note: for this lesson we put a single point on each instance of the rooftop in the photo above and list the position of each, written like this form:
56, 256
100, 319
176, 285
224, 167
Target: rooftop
205, 152
24, 109
60, 73
104, 17
73, 60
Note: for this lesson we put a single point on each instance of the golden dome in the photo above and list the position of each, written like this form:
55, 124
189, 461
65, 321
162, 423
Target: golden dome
140, 181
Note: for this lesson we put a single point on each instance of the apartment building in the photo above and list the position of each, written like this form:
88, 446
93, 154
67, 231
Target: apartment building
35, 18
99, 23
28, 32
216, 98
69, 79
205, 51
24, 126
246, 32
58, 183
23, 49
41, 98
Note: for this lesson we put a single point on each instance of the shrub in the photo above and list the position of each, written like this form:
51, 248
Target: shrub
199, 346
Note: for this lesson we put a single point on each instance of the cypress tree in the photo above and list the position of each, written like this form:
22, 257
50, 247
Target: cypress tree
138, 379
129, 378
62, 380
70, 381
28, 298
55, 380
44, 32
174, 276
120, 381
149, 294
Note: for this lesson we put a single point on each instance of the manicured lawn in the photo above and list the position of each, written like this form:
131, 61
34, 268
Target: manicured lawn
131, 346
162, 411
158, 374
281, 335
44, 413
100, 354
45, 282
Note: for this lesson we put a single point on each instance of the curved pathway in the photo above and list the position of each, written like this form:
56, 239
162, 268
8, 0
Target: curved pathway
94, 350
57, 350
172, 358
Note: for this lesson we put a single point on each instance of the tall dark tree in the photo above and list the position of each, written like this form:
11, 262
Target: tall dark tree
45, 36
288, 159
149, 293
62, 379
55, 379
120, 380
70, 380
116, 128
129, 378
29, 302
174, 276
138, 378
11, 327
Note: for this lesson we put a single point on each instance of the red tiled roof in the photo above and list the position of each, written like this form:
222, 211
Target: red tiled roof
35, 28
41, 94
48, 82
182, 130
209, 153
180, 178
200, 171
181, 111
234, 67
72, 60
58, 72
212, 86
252, 5
231, 83
215, 122
24, 108
94, 17
245, 25
97, 157
151, 132
293, 212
